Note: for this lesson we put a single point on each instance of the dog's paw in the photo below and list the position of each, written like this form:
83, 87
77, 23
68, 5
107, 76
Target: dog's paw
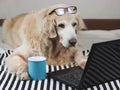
16, 65
12, 63
80, 60
22, 72
23, 76
82, 63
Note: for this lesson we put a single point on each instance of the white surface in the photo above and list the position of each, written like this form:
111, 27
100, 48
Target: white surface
87, 8
87, 38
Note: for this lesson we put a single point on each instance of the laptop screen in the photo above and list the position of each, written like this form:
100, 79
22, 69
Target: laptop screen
103, 64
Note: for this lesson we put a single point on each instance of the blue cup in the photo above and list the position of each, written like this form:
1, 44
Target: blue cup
37, 67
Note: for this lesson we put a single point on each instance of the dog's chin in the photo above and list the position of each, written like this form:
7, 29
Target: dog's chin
69, 46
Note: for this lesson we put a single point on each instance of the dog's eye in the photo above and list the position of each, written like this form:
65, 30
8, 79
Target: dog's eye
61, 25
74, 24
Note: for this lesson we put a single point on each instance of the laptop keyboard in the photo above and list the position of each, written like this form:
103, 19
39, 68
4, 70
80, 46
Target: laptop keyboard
71, 76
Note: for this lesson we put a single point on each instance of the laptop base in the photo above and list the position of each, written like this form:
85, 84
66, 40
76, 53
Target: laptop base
70, 76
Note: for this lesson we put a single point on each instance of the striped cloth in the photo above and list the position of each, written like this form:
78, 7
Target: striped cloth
11, 82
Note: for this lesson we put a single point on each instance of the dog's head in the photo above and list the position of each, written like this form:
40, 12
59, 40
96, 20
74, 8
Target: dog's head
64, 22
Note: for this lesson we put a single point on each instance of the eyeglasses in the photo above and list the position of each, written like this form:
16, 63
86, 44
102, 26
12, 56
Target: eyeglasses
61, 11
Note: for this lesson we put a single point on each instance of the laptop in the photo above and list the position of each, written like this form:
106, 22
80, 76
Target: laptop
103, 65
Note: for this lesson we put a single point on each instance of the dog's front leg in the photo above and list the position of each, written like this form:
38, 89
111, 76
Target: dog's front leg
79, 59
17, 62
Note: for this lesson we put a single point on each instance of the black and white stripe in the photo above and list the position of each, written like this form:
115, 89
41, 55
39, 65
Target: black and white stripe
11, 82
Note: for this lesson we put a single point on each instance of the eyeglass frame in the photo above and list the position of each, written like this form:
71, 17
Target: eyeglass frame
65, 10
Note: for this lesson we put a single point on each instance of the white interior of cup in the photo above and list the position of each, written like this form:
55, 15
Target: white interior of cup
37, 58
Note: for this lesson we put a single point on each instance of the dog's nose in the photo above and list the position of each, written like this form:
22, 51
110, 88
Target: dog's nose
72, 41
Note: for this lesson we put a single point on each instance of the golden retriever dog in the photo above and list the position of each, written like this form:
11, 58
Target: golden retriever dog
50, 32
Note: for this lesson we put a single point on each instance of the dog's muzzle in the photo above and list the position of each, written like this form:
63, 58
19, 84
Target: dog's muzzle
72, 42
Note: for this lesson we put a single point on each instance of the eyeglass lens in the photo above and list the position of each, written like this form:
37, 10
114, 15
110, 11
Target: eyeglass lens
71, 9
60, 11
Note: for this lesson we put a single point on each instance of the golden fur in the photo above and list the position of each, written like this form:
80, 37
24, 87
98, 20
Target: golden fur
37, 33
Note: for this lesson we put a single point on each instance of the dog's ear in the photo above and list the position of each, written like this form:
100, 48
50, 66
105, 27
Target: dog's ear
51, 27
81, 24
